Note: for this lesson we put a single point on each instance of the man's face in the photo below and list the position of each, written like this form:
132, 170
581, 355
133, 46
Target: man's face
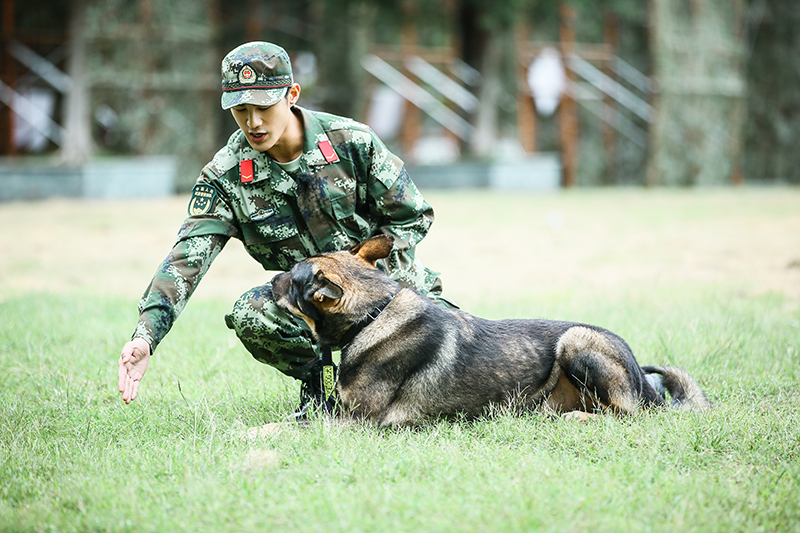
263, 127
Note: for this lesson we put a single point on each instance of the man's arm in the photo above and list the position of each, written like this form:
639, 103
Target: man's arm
162, 303
173, 284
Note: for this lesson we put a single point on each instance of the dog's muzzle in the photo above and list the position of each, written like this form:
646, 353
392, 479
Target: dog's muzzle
280, 285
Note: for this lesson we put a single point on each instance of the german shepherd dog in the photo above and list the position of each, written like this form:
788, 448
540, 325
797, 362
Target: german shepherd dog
405, 359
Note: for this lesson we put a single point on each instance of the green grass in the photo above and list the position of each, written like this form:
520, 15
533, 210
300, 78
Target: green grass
73, 457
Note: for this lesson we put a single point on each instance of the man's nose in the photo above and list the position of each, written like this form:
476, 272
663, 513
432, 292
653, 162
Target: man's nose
254, 118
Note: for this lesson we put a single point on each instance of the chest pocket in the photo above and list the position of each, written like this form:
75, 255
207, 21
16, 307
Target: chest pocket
343, 206
275, 243
343, 211
269, 231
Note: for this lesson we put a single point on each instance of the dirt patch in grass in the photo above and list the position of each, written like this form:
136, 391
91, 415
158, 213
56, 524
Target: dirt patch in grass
484, 243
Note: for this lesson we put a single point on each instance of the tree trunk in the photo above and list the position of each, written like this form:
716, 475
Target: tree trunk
487, 44
487, 125
77, 144
344, 40
773, 121
698, 55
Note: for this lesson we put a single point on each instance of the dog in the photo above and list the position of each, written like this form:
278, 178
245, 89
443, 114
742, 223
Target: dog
406, 359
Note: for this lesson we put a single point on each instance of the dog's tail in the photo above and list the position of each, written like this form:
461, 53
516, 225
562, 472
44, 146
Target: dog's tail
684, 390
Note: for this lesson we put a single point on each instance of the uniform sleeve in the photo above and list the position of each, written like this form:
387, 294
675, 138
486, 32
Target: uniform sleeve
173, 284
401, 212
210, 212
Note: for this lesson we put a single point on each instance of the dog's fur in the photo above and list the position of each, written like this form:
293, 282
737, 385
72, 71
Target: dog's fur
406, 359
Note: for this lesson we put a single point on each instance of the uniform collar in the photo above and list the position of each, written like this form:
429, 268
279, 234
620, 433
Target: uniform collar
311, 158
314, 134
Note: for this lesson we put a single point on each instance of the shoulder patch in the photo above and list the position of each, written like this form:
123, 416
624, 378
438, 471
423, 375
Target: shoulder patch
203, 196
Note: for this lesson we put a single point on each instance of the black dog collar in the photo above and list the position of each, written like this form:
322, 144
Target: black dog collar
356, 328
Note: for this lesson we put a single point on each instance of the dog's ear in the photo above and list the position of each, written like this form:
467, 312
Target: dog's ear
325, 288
374, 248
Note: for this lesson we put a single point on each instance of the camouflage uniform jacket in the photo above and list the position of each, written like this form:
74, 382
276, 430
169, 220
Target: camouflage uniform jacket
336, 199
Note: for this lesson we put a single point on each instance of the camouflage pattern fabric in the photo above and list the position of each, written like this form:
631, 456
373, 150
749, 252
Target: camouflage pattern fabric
272, 336
337, 198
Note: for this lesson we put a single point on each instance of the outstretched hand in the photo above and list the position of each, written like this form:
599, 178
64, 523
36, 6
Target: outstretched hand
132, 366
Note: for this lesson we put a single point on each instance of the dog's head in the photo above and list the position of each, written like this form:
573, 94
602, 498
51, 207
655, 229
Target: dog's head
332, 292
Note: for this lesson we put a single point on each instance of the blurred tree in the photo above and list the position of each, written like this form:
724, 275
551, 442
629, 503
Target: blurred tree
698, 56
487, 30
773, 76
77, 145
153, 68
607, 157
343, 38
152, 71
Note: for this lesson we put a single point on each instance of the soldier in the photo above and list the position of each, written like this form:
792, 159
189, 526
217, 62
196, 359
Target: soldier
290, 184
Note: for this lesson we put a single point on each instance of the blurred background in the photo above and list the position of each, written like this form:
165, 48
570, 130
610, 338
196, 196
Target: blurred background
115, 98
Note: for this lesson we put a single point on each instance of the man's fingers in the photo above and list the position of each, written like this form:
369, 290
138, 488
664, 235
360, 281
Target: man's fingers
135, 390
124, 358
123, 375
128, 394
129, 388
132, 365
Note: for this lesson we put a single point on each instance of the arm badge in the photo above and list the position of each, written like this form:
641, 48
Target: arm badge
203, 196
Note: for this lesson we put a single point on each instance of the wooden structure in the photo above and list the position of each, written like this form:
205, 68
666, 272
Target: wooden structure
8, 69
599, 57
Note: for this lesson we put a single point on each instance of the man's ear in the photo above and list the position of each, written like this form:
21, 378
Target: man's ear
293, 94
374, 248
325, 288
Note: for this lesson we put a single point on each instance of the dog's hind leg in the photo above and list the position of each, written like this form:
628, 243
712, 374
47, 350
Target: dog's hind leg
601, 367
569, 401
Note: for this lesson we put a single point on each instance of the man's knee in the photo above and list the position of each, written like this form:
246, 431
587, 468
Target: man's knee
270, 335
248, 311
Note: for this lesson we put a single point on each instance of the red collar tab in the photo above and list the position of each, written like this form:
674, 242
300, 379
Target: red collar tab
246, 170
327, 151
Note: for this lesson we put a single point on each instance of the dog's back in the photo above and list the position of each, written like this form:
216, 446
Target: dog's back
431, 362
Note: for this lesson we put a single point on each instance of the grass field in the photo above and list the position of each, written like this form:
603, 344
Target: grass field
708, 280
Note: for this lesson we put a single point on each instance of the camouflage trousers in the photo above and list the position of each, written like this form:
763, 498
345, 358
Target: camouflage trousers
277, 338
272, 336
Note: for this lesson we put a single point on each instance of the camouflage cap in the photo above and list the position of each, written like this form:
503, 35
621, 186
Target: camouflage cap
255, 73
